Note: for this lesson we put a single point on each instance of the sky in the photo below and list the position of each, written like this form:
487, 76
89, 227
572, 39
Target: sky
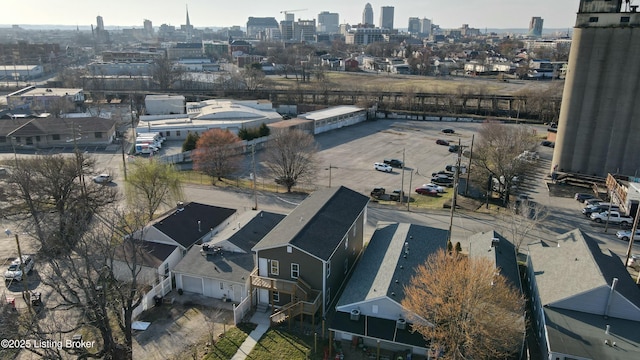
496, 14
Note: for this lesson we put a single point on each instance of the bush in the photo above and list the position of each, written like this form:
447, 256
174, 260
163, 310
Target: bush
190, 142
254, 133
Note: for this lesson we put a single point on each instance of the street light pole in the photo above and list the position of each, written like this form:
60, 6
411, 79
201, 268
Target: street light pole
402, 178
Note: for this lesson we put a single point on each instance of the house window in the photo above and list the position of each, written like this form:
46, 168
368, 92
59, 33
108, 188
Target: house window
346, 265
166, 269
168, 133
275, 267
276, 297
374, 309
55, 136
178, 133
289, 249
624, 19
295, 270
37, 138
221, 285
328, 268
593, 19
97, 135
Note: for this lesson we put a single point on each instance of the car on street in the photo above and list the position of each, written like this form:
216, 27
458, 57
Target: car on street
102, 179
442, 142
454, 148
383, 167
626, 234
448, 131
14, 272
581, 197
393, 163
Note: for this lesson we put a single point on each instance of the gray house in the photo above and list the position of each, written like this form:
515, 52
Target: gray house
304, 260
585, 304
220, 268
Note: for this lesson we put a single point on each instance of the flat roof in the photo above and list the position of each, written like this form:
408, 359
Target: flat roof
330, 112
51, 92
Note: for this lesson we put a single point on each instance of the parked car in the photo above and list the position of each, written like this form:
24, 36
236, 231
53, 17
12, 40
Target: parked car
442, 142
102, 179
442, 173
393, 162
377, 192
548, 143
14, 272
382, 167
602, 207
581, 197
448, 131
435, 187
454, 148
445, 181
452, 168
612, 217
396, 195
626, 234
426, 191
593, 201
634, 261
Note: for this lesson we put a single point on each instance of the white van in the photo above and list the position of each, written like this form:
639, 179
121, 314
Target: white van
146, 148
144, 138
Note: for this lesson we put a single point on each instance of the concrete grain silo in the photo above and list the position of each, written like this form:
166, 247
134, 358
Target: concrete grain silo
599, 123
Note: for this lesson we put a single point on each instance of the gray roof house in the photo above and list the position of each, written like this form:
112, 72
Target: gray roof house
369, 308
585, 304
220, 268
304, 260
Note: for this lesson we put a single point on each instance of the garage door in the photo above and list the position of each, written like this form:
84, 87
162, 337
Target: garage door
192, 284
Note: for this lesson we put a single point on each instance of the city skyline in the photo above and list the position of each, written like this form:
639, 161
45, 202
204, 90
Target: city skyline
119, 13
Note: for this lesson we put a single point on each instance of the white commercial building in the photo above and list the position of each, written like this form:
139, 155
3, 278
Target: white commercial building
335, 117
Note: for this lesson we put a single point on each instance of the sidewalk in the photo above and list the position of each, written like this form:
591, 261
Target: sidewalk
263, 321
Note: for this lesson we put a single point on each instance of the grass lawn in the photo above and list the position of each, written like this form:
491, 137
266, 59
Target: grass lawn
228, 345
278, 344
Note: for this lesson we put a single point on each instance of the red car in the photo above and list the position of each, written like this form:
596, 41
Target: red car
426, 191
442, 142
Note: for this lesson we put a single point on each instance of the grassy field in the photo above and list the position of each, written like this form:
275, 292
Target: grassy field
339, 80
228, 345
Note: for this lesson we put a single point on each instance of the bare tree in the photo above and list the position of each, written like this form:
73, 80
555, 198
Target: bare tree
290, 157
497, 155
525, 217
164, 73
216, 153
464, 307
151, 184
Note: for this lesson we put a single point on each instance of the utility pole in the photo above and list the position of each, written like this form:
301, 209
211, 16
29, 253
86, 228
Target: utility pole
410, 181
253, 165
455, 191
402, 178
466, 186
632, 236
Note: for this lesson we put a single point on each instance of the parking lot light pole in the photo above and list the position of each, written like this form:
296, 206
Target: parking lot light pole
25, 279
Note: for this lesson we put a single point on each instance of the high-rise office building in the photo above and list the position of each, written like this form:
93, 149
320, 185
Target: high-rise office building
148, 27
598, 128
328, 23
100, 23
425, 27
414, 25
367, 15
535, 26
386, 17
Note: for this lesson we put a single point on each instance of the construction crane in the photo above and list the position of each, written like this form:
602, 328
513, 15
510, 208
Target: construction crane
285, 12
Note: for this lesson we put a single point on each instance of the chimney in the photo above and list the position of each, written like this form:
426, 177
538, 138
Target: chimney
180, 206
606, 331
199, 227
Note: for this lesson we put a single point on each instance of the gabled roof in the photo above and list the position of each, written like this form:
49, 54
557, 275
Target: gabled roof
251, 233
319, 223
574, 264
503, 255
386, 267
151, 254
193, 221
63, 126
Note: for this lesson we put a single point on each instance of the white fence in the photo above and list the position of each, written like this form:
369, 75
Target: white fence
241, 310
148, 300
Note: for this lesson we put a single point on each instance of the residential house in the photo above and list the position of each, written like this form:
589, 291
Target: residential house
585, 304
304, 261
153, 261
369, 310
221, 267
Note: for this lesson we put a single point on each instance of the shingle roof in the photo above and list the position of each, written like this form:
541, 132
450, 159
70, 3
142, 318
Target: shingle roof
319, 223
182, 225
503, 255
574, 255
384, 269
152, 255
227, 266
46, 126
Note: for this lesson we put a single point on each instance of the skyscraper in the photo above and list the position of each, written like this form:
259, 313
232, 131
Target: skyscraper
100, 23
535, 26
148, 27
367, 15
425, 27
328, 22
414, 25
598, 127
386, 17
